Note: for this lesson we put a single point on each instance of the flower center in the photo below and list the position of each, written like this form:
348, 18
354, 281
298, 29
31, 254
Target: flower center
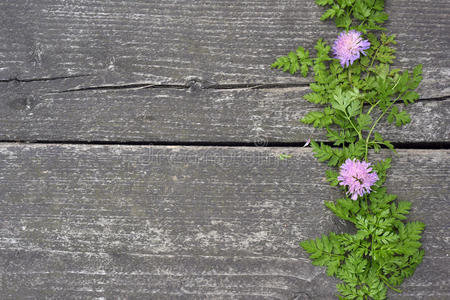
358, 179
349, 44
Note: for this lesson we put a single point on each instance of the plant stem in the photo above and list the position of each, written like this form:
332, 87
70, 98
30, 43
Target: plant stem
354, 127
373, 60
376, 122
350, 77
373, 106
387, 283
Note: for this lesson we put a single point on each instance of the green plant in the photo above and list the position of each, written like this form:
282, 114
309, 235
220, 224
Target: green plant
357, 91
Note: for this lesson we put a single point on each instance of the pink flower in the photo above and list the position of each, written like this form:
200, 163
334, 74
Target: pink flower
307, 143
348, 46
357, 176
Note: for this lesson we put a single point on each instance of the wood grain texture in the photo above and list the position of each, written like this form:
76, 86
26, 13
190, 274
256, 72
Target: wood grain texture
172, 41
81, 222
193, 52
30, 111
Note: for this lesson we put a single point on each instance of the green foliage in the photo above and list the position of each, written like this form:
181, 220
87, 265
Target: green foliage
362, 15
326, 251
294, 62
382, 253
385, 249
400, 117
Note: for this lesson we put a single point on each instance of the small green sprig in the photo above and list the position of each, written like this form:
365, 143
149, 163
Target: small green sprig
355, 98
369, 14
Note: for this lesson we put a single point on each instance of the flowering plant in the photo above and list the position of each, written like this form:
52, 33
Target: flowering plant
358, 88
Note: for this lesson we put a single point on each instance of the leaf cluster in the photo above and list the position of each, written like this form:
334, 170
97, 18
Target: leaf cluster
382, 253
354, 102
362, 15
294, 62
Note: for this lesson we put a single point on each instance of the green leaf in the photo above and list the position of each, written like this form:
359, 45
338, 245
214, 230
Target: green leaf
401, 210
417, 78
325, 251
361, 11
378, 139
317, 119
354, 108
305, 61
301, 53
341, 137
330, 13
400, 117
378, 5
354, 150
326, 153
410, 97
324, 2
332, 177
402, 82
322, 51
294, 63
364, 121
282, 63
379, 17
344, 208
343, 21
417, 71
304, 70
315, 98
414, 230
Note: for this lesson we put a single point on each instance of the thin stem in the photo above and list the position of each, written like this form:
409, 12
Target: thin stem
373, 106
354, 127
376, 122
350, 77
373, 60
391, 287
362, 23
349, 15
367, 202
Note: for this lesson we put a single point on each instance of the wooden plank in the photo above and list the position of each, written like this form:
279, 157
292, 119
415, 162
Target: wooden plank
192, 53
174, 222
173, 42
185, 115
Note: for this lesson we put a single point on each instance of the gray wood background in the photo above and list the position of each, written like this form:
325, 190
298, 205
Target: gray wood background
116, 181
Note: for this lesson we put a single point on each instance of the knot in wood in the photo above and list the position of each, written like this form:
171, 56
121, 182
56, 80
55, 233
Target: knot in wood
194, 83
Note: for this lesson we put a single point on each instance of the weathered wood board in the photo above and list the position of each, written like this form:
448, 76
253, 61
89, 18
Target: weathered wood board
214, 41
187, 115
189, 53
84, 221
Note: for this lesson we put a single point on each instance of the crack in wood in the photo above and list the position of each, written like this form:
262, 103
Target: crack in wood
196, 84
192, 83
398, 145
442, 98
16, 79
189, 85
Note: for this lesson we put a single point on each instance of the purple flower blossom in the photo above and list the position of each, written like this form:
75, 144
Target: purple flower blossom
348, 46
307, 143
356, 175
